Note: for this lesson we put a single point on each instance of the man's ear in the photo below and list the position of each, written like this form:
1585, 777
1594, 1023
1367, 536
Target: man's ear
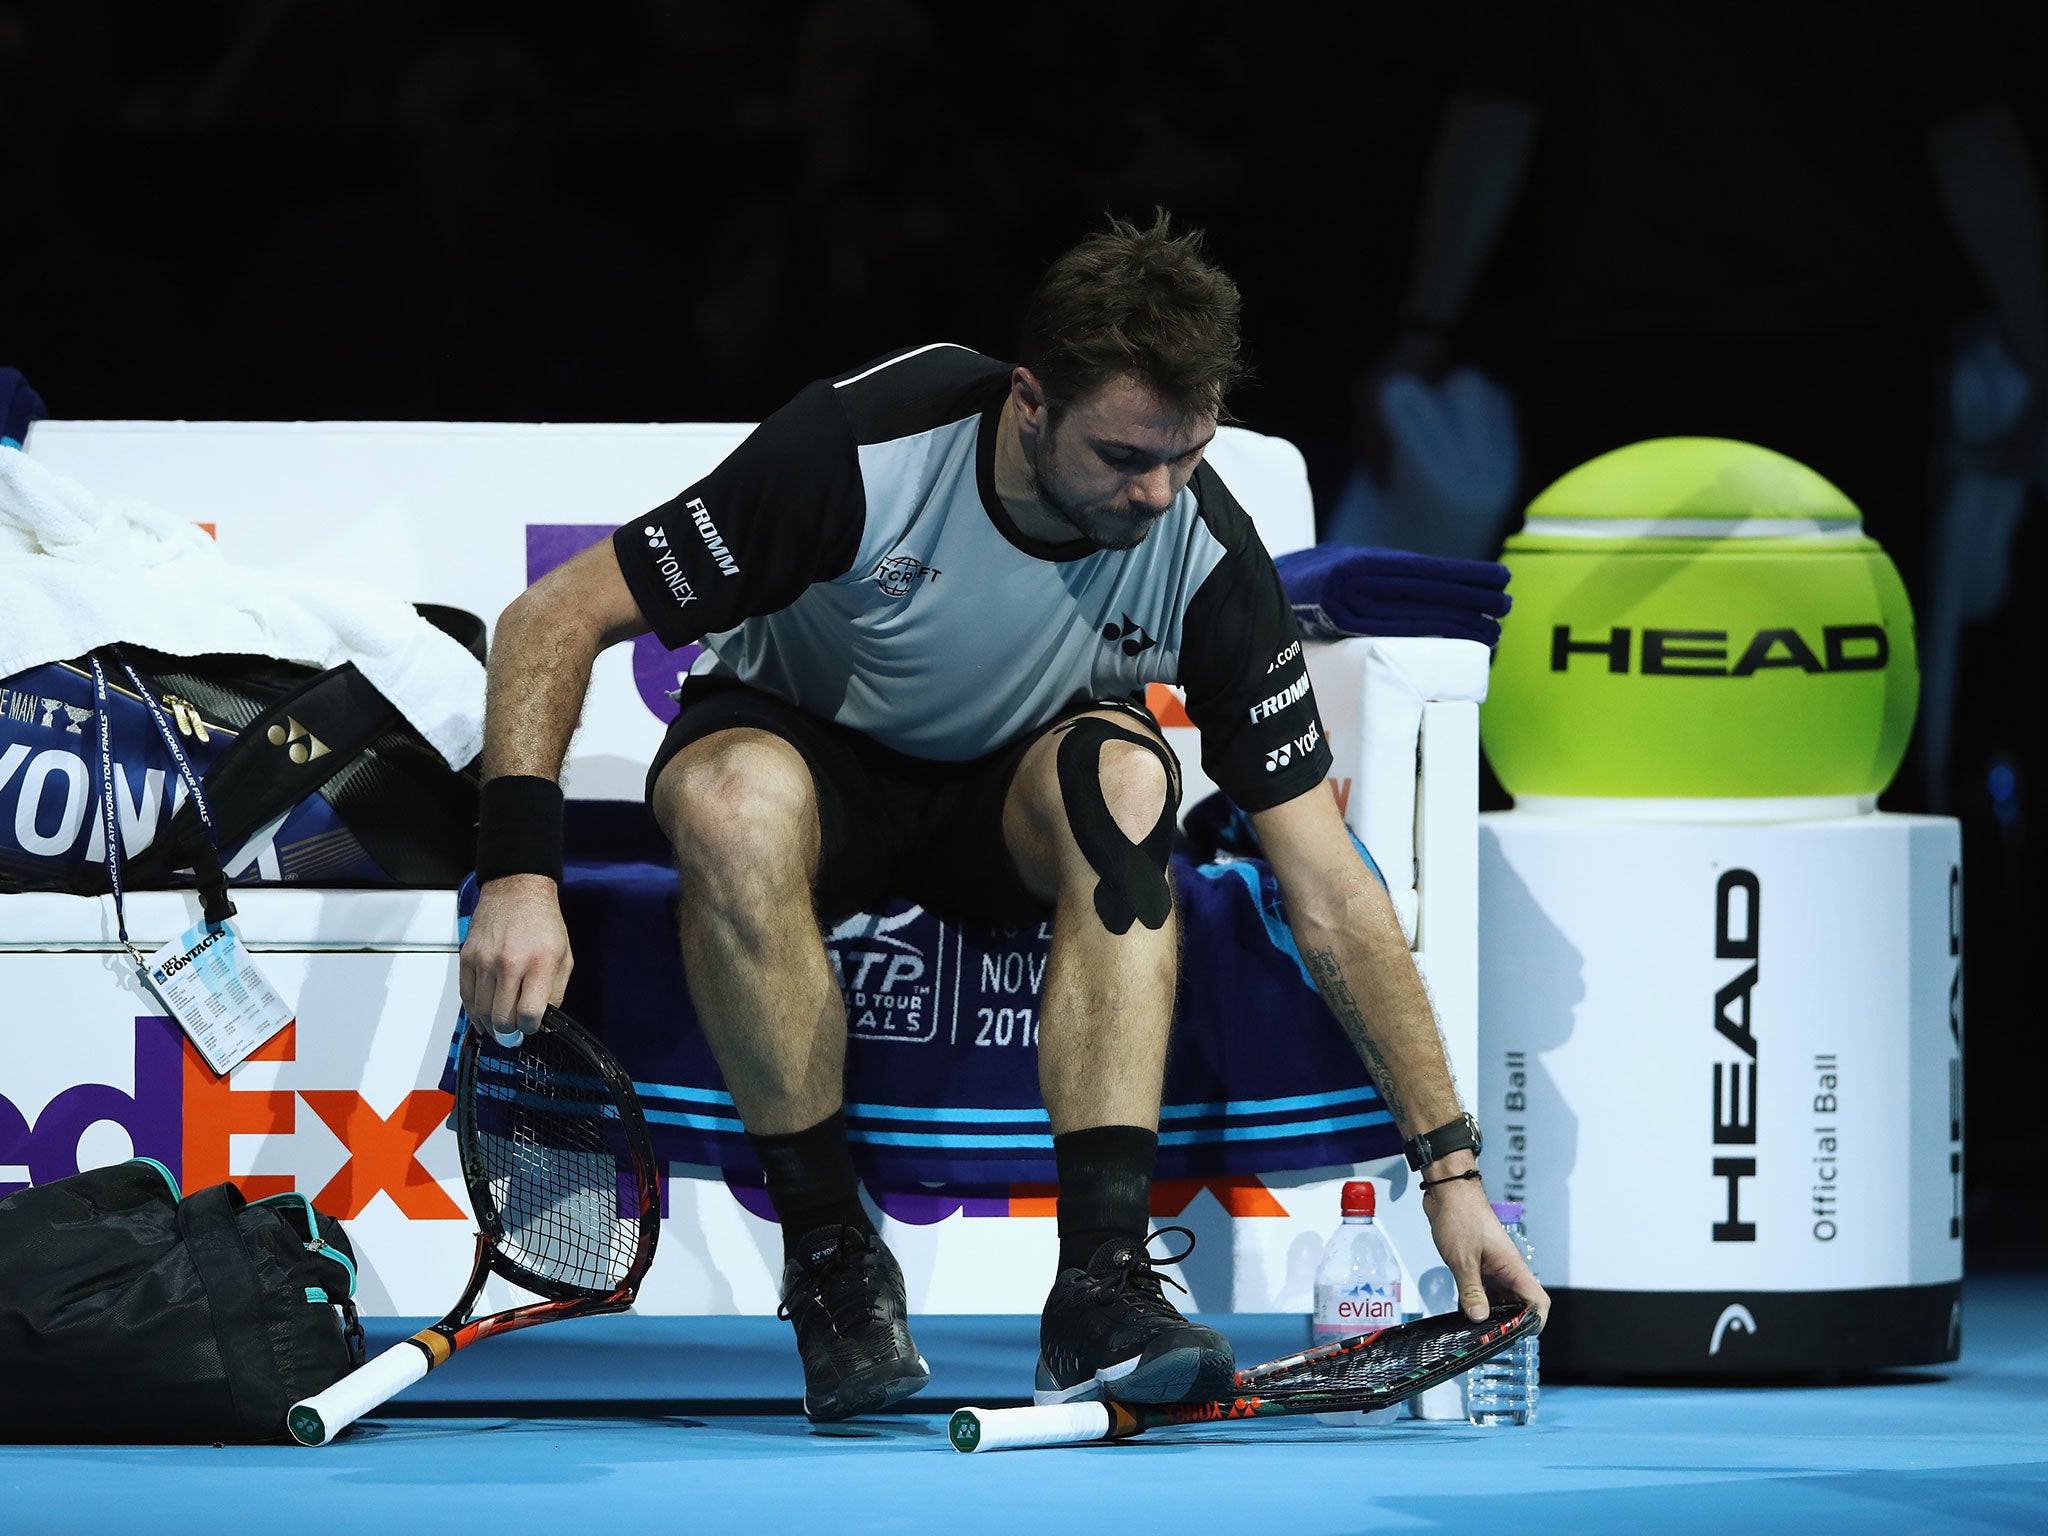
1027, 398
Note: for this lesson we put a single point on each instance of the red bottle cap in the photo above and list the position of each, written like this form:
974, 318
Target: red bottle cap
1359, 1199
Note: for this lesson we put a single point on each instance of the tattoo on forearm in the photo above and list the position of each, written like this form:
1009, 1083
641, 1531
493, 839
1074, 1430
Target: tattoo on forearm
1322, 964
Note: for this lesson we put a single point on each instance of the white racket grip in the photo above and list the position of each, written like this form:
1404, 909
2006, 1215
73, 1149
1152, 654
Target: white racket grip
1011, 1429
318, 1419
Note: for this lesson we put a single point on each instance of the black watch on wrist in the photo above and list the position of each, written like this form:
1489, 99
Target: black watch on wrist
1425, 1149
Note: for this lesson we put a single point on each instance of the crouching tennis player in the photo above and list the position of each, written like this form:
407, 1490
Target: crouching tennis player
936, 589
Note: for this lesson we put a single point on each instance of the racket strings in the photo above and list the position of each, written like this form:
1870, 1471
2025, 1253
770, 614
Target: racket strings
558, 1164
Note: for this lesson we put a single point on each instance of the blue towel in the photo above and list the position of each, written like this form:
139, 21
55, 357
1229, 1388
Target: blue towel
942, 1060
1443, 624
1354, 562
1341, 589
19, 405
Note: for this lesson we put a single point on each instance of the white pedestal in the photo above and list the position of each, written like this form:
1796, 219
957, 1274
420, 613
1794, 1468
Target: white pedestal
1721, 1065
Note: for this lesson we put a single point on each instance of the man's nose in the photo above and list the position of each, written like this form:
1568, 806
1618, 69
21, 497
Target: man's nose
1153, 489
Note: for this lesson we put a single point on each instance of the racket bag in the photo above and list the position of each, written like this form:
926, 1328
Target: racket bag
130, 1315
311, 776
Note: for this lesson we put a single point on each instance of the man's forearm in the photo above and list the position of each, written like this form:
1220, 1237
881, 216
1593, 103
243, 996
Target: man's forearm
1366, 974
535, 685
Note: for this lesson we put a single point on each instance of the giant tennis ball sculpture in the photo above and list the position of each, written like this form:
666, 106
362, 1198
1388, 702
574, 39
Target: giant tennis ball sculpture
1697, 618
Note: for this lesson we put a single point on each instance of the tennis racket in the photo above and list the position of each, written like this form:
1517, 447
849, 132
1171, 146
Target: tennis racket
1364, 1372
562, 1177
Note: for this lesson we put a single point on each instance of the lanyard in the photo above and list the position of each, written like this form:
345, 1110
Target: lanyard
110, 821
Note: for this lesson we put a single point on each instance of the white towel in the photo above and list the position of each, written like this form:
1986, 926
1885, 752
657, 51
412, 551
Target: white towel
77, 572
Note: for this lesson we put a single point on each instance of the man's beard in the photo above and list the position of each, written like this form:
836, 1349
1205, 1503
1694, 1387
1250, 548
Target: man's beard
1100, 524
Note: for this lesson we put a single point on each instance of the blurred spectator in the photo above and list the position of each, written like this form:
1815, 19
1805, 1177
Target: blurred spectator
474, 291
1736, 219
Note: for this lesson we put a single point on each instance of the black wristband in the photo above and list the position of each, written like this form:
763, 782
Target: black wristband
519, 828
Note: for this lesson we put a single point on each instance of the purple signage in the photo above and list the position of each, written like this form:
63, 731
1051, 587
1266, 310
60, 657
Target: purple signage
656, 669
153, 1114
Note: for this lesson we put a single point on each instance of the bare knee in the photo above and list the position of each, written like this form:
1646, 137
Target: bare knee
740, 811
1135, 784
1134, 787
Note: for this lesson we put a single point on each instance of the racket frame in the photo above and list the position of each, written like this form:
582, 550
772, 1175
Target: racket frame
318, 1419
996, 1429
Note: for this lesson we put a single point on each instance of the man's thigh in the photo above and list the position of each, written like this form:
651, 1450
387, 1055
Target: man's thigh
976, 864
852, 798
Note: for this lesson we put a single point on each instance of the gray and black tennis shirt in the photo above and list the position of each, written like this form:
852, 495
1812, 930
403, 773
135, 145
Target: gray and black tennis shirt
852, 557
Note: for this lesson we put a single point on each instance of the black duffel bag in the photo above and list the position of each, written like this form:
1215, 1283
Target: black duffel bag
130, 1315
344, 789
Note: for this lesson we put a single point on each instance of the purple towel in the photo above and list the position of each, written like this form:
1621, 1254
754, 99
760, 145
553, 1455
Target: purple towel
1342, 589
19, 405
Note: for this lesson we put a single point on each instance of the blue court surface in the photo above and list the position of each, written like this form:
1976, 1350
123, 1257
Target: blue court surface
668, 1425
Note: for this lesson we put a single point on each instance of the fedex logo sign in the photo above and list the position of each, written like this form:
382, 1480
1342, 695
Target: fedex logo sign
179, 1113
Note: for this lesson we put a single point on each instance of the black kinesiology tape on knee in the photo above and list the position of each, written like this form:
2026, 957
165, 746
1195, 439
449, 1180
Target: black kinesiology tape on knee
1132, 887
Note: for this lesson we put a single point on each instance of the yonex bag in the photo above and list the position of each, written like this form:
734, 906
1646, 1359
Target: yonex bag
130, 1315
309, 775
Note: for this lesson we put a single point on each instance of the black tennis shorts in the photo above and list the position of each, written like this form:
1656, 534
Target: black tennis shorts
892, 827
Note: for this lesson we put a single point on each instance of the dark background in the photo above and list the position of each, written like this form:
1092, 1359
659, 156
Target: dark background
677, 210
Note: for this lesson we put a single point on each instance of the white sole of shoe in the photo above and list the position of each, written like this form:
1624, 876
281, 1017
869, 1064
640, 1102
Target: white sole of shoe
1087, 1391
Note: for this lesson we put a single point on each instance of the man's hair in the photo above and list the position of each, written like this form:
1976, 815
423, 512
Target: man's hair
1138, 303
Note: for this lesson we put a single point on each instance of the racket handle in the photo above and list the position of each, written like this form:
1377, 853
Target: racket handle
318, 1419
1009, 1429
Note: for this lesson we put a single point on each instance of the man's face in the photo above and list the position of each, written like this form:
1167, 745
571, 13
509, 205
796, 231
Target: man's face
1111, 463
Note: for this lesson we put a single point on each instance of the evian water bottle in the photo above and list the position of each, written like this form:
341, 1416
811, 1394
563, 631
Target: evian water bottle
1358, 1284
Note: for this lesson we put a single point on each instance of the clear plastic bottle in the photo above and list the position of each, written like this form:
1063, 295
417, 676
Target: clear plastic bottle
1358, 1285
1505, 1388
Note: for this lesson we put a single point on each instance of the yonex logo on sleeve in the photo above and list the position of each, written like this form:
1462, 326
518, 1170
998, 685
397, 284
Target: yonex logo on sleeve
1280, 757
670, 569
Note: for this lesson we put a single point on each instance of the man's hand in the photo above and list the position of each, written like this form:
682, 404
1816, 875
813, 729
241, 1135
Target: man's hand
1482, 1257
516, 959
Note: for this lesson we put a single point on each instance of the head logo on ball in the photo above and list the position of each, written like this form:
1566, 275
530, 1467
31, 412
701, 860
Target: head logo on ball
1698, 619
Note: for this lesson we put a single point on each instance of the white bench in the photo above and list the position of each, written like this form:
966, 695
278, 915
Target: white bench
444, 513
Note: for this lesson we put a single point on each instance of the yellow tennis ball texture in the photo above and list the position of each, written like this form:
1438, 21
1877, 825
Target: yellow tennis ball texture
1699, 618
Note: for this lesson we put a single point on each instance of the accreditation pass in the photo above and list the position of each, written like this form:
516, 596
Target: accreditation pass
211, 985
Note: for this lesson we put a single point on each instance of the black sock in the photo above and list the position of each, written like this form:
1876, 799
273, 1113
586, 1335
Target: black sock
1105, 1188
811, 1181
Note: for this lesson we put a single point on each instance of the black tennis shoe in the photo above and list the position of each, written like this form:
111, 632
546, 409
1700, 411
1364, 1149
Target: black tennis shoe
1109, 1332
844, 1295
